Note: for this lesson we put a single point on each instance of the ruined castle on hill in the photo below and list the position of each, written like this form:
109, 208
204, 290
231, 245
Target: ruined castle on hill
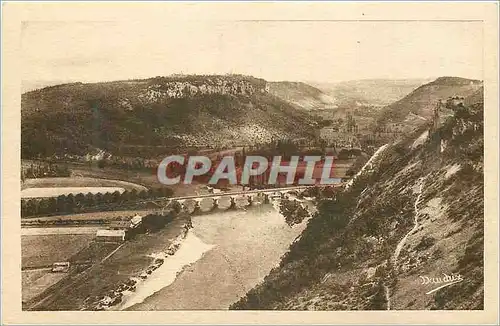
452, 102
437, 119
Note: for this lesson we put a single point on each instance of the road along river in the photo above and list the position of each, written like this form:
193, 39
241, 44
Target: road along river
230, 253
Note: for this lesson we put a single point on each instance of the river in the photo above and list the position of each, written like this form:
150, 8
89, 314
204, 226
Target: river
236, 250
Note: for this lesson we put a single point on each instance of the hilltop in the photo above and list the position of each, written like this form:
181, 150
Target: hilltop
418, 106
414, 214
302, 95
161, 112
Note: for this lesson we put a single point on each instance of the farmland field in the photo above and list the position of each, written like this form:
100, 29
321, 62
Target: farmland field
79, 182
112, 215
44, 250
130, 260
57, 191
58, 230
36, 281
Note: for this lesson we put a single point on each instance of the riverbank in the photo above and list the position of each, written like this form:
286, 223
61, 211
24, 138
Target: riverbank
245, 246
83, 290
186, 250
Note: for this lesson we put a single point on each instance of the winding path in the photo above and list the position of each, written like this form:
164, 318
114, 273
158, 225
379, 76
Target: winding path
387, 297
401, 243
368, 165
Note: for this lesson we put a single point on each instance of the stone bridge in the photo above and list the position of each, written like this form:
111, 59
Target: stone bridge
231, 200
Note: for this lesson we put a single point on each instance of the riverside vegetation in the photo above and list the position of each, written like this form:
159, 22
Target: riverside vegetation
83, 203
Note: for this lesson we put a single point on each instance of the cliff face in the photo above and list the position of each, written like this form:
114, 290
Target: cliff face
131, 117
410, 223
165, 88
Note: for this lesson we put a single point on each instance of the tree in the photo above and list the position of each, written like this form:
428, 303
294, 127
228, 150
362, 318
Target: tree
90, 200
107, 198
61, 204
125, 196
154, 222
378, 301
70, 203
311, 192
98, 198
24, 208
116, 197
142, 194
133, 195
328, 192
80, 200
293, 212
32, 207
51, 205
333, 213
43, 207
176, 207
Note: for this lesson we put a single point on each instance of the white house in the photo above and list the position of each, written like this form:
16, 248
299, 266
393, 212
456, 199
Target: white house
60, 267
135, 221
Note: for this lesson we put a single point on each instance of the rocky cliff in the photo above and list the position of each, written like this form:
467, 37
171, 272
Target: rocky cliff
406, 234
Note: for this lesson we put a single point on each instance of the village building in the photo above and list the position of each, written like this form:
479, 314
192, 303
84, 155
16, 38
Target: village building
127, 224
135, 221
110, 235
60, 267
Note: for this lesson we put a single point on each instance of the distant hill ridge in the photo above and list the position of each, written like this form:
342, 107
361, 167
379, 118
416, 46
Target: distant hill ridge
178, 86
161, 112
454, 81
369, 92
301, 95
423, 100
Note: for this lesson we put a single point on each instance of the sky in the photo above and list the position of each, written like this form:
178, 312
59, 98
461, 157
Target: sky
320, 51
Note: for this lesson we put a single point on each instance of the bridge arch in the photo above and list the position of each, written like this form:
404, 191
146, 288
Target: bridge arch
240, 201
224, 201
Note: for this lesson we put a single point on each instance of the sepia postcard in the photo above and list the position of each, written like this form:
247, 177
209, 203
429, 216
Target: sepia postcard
250, 163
